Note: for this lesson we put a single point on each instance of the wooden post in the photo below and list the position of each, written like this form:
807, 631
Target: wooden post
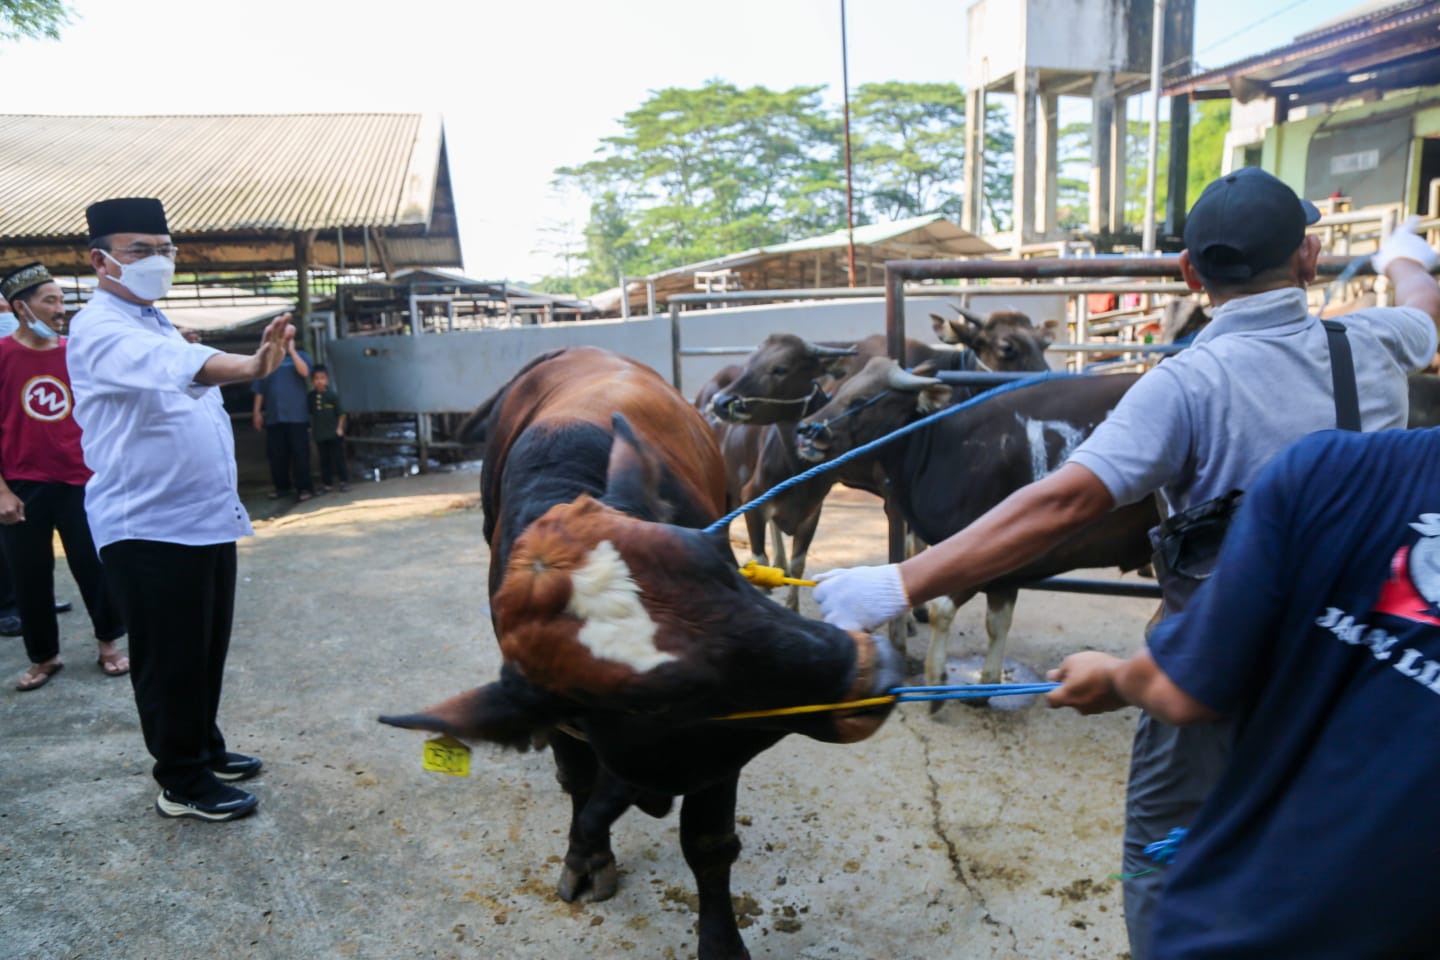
303, 242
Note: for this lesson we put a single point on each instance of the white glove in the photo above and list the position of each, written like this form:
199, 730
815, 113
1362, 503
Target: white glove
861, 598
1405, 244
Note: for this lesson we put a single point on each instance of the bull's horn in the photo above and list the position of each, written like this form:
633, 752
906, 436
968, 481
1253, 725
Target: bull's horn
821, 350
970, 315
898, 379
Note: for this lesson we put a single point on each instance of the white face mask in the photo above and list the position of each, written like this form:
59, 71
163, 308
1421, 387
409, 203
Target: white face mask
36, 327
148, 279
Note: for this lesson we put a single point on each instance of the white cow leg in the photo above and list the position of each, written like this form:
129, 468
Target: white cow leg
778, 540
941, 612
999, 612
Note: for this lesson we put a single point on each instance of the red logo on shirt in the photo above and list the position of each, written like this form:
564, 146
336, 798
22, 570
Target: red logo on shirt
46, 398
1412, 590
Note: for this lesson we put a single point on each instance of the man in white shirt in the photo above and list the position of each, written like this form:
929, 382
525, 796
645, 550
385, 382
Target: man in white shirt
163, 506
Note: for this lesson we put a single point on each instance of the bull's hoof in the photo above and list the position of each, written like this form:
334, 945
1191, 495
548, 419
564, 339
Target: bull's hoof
597, 874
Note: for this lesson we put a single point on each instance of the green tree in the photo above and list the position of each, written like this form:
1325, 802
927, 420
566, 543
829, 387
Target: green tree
694, 174
1210, 121
1137, 155
908, 147
20, 19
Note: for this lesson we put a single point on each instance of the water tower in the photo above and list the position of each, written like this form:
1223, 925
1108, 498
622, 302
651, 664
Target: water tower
1040, 50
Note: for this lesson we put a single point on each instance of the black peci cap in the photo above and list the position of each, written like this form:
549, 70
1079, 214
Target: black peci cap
1245, 223
126, 215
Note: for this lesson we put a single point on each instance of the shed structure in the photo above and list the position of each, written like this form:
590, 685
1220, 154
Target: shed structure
811, 263
243, 193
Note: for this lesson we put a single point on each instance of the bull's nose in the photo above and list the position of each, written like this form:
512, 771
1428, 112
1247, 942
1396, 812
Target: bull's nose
889, 662
809, 450
727, 407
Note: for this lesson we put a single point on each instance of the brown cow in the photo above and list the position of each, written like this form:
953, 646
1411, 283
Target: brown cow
628, 636
786, 373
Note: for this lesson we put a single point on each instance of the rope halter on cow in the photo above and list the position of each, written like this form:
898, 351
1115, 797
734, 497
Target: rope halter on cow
741, 405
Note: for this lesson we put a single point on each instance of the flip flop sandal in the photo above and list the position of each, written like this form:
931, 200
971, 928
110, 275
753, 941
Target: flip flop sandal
106, 661
37, 676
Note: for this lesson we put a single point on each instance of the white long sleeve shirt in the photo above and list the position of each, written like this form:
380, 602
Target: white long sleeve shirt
160, 444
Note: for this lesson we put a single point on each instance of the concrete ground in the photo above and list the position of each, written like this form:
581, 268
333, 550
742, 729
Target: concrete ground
971, 834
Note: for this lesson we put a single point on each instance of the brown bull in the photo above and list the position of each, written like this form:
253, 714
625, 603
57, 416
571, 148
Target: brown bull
626, 634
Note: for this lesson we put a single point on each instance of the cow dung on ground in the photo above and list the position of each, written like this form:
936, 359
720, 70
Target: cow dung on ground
972, 834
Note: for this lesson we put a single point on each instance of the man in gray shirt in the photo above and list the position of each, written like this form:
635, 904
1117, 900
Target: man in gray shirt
1198, 426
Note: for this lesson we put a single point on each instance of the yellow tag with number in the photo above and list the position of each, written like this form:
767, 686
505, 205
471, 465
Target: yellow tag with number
447, 755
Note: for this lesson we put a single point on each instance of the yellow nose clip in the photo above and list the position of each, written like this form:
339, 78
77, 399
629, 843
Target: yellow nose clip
767, 577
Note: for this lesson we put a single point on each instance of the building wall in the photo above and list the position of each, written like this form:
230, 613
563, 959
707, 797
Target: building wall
1287, 145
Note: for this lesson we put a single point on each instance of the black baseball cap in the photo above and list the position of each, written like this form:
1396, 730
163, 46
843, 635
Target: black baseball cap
1245, 223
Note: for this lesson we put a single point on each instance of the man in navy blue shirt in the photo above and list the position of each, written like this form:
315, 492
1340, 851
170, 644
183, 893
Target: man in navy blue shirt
281, 411
1319, 636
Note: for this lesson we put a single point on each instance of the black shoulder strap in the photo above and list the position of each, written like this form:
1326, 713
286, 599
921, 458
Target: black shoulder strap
1342, 369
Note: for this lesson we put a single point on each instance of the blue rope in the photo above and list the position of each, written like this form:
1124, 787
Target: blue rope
879, 442
969, 691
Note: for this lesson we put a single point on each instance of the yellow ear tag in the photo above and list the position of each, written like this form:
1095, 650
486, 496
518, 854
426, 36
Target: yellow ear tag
447, 755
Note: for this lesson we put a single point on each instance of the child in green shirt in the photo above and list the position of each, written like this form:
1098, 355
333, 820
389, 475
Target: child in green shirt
327, 422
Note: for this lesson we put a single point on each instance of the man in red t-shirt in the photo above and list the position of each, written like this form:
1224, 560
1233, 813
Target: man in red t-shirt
42, 479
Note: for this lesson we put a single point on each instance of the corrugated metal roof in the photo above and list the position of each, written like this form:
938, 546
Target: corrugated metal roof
1395, 30
220, 173
1369, 10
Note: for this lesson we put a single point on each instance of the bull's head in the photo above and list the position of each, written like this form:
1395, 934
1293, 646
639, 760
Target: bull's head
779, 380
601, 610
881, 398
1005, 340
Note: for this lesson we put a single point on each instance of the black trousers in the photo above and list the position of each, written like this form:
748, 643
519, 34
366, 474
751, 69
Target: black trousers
178, 602
287, 447
8, 607
30, 553
332, 460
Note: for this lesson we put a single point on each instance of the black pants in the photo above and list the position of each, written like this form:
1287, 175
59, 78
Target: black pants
8, 607
30, 554
178, 602
287, 446
332, 460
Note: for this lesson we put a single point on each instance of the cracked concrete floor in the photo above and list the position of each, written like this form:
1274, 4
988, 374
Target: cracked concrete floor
969, 834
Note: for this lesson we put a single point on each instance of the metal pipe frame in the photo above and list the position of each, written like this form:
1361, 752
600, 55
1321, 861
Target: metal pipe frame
917, 290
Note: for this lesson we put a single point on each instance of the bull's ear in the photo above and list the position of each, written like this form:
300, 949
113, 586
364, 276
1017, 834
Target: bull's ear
632, 481
507, 712
960, 330
1048, 331
933, 398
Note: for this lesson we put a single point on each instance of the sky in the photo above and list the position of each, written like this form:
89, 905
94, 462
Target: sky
524, 87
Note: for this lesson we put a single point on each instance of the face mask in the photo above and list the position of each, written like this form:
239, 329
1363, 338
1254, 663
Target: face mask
148, 279
38, 328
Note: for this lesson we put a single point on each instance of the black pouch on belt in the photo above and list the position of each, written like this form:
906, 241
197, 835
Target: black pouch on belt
1189, 541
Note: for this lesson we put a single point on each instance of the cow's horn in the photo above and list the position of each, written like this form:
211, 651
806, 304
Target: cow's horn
970, 315
910, 382
820, 350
